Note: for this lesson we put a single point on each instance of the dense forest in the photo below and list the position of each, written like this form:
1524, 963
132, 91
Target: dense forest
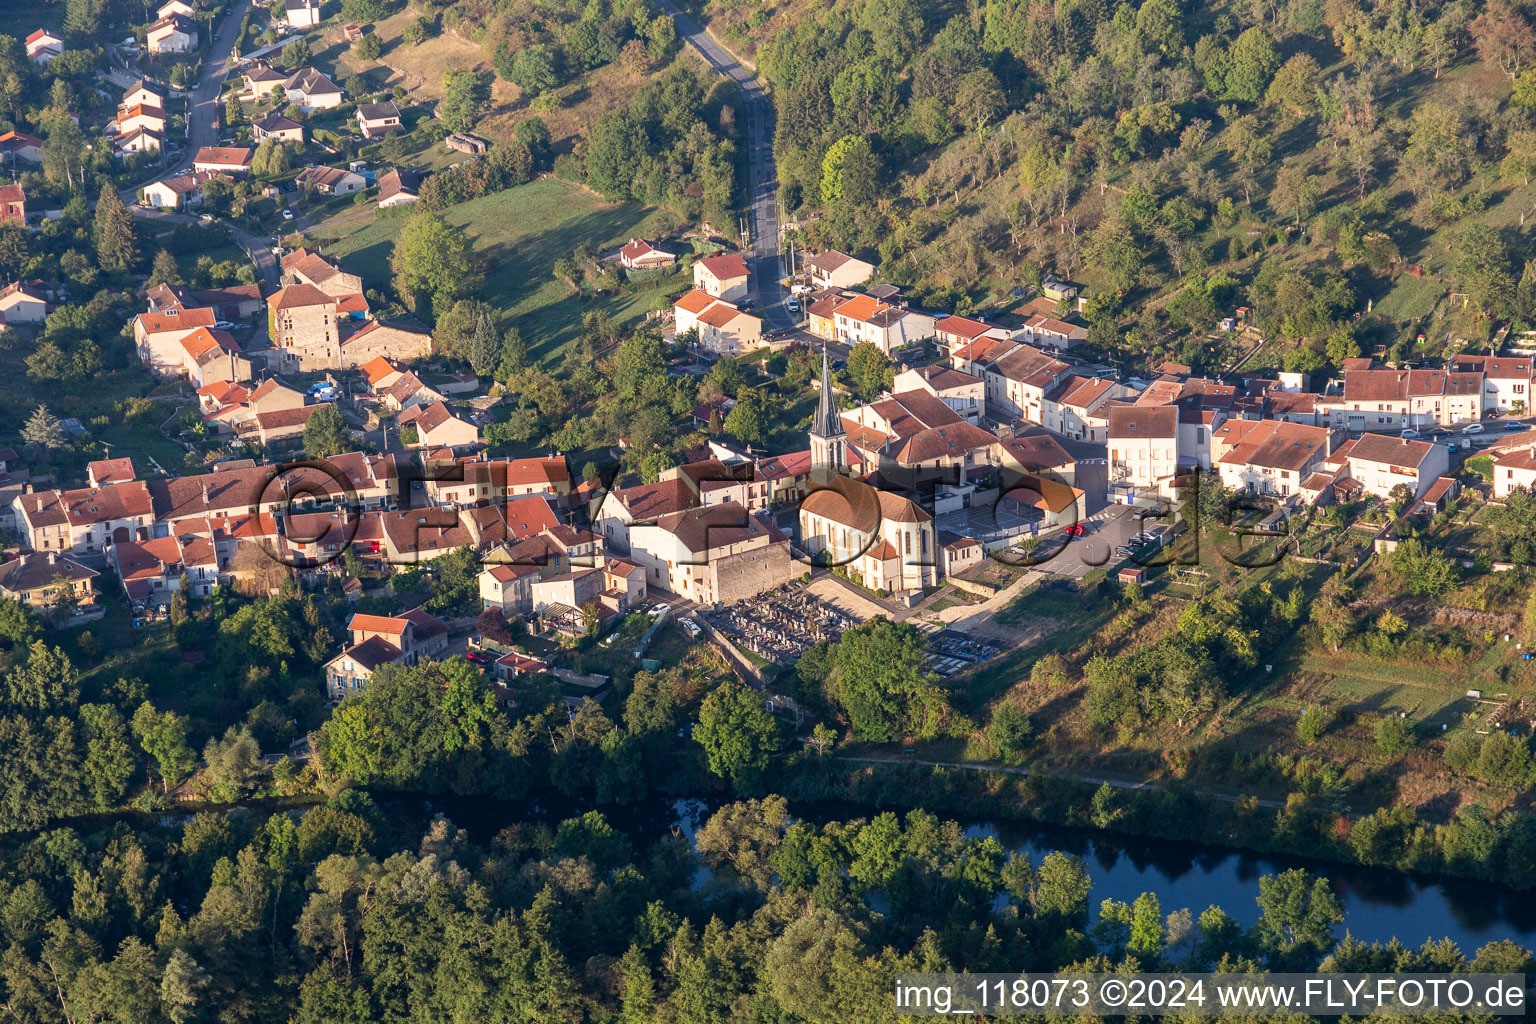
1303, 153
338, 915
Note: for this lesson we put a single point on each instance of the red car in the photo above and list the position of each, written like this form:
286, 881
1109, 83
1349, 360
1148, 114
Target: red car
477, 657
1076, 530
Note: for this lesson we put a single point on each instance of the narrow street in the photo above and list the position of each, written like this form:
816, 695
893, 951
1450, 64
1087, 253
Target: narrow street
762, 175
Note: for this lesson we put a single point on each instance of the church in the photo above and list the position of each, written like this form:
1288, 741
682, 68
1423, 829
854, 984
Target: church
881, 539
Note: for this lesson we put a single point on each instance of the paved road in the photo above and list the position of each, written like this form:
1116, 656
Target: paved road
762, 176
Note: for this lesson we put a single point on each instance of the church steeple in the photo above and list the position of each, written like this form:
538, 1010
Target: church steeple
828, 438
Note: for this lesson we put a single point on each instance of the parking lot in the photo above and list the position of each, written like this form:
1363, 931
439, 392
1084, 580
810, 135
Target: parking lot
1105, 530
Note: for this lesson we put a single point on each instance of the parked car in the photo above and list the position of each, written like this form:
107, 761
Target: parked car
1472, 428
223, 325
476, 657
1077, 530
1516, 425
1125, 550
658, 610
1451, 446
792, 304
1409, 435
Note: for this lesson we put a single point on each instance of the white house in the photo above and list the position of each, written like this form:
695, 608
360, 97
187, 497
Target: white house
174, 33
309, 90
1143, 452
1378, 463
331, 181
890, 328
723, 275
43, 46
1515, 467
302, 13
834, 269
24, 302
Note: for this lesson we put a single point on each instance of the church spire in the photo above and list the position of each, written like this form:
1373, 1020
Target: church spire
828, 438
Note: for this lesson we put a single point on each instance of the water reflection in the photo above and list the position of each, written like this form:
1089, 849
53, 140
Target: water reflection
1378, 903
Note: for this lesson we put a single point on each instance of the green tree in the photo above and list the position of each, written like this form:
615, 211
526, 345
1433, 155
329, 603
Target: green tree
737, 733
1424, 570
1252, 65
1312, 724
870, 369
882, 685
1297, 917
164, 270
117, 247
109, 760
1010, 731
326, 433
747, 421
432, 262
233, 765
1393, 735
466, 94
1295, 85
368, 48
44, 430
164, 738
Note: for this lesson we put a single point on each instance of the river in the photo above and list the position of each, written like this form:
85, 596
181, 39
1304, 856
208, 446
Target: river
1379, 903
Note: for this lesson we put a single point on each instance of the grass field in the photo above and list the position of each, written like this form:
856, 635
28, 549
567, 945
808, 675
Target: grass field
518, 234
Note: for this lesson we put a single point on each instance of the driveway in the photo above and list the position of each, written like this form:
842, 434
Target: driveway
762, 175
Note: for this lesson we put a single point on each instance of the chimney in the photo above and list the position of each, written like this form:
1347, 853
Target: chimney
53, 558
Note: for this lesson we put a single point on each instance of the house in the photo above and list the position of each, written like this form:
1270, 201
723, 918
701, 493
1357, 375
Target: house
140, 140
398, 188
171, 7
151, 570
1072, 407
1268, 456
331, 181
309, 90
638, 254
1143, 452
45, 581
1375, 399
175, 193
13, 202
276, 126
20, 146
1046, 330
24, 302
834, 269
864, 319
965, 393
110, 471
788, 476
261, 81
85, 521
573, 589
437, 427
1506, 380
885, 541
508, 587
140, 116
232, 302
713, 555
211, 355
158, 335
1377, 463
723, 275
952, 332
1514, 468
174, 33
376, 120
380, 373
233, 160
305, 267
912, 436
409, 390
722, 326
624, 508
284, 424
302, 13
821, 310
378, 640
43, 46
301, 320
379, 338
467, 142
143, 93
